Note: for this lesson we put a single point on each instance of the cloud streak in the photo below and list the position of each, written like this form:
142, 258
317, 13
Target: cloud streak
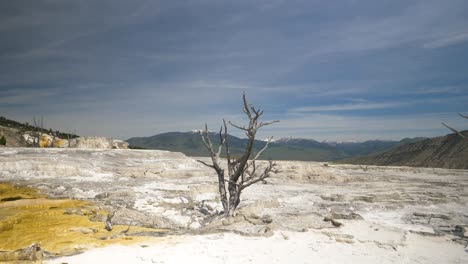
346, 107
163, 66
448, 41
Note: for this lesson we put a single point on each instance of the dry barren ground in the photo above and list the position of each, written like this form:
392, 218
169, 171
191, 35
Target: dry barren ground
374, 214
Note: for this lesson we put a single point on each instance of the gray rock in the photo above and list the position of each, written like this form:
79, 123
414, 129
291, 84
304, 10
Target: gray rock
98, 143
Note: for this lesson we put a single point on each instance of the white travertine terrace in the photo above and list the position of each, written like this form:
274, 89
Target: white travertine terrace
400, 214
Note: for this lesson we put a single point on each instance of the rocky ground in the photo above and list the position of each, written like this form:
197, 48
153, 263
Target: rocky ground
308, 213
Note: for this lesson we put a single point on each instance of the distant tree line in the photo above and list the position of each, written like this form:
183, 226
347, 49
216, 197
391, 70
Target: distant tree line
25, 127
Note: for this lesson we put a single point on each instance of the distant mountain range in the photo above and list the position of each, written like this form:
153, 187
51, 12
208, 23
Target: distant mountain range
450, 151
190, 144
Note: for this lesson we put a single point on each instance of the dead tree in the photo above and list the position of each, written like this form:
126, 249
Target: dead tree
54, 138
242, 171
38, 130
108, 223
454, 130
70, 136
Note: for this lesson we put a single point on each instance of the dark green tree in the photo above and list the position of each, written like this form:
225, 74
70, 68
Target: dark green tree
3, 141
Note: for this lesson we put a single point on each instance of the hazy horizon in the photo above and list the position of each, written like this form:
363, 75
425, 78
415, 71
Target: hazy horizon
338, 71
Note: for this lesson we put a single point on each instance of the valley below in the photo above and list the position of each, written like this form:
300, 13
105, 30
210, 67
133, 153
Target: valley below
164, 207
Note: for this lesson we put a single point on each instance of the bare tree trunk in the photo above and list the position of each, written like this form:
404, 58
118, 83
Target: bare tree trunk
241, 172
234, 199
222, 191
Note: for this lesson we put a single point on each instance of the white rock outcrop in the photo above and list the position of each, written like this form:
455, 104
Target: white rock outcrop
97, 143
47, 141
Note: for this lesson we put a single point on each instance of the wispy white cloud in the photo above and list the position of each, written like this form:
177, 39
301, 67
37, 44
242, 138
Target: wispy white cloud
340, 127
343, 107
165, 66
449, 90
447, 41
32, 97
366, 105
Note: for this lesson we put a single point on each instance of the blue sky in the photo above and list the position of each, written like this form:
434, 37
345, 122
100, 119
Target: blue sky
329, 70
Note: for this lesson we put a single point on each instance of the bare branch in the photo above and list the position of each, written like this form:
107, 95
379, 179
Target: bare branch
207, 133
246, 106
206, 164
251, 174
267, 123
257, 112
204, 142
231, 182
266, 173
263, 149
454, 130
228, 152
221, 142
203, 138
239, 127
464, 116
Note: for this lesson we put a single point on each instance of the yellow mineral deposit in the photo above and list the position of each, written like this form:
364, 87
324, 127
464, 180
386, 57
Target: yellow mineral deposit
60, 226
59, 143
45, 141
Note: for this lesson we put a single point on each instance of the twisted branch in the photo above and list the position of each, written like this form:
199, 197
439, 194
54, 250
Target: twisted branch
454, 130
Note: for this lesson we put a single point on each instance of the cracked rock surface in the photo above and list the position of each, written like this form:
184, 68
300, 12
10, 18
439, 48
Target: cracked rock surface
387, 214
